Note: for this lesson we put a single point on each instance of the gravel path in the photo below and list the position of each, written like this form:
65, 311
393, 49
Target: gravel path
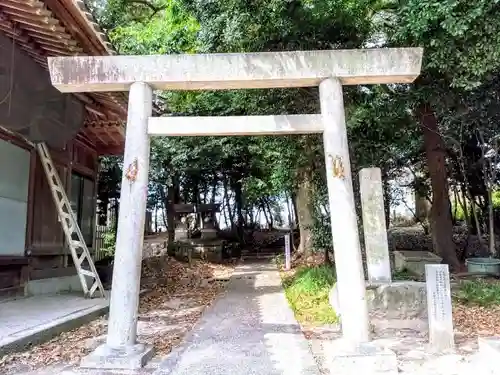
250, 330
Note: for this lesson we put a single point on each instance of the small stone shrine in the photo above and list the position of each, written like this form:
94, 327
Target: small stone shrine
189, 245
207, 213
182, 211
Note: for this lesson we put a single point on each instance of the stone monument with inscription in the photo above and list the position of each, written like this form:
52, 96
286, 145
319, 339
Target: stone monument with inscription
378, 262
437, 278
288, 253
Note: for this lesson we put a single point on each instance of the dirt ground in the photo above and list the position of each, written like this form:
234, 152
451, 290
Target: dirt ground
174, 298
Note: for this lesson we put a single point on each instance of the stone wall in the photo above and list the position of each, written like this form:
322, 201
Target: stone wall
154, 248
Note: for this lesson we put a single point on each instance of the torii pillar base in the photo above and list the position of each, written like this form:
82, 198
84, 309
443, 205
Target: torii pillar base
127, 358
366, 358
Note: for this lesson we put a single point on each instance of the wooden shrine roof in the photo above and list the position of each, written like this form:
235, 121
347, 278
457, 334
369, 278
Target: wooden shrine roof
45, 28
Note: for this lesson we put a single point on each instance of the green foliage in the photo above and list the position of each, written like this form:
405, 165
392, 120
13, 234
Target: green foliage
108, 187
479, 292
109, 243
459, 81
160, 36
322, 235
307, 292
403, 275
458, 211
460, 37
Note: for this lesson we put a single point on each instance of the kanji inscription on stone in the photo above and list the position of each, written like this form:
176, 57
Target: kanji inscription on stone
288, 255
439, 307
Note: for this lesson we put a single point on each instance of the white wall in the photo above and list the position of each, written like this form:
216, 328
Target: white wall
14, 176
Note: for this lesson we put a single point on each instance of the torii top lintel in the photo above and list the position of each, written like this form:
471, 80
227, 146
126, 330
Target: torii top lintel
235, 70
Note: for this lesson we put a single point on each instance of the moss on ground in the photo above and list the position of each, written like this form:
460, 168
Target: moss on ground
307, 292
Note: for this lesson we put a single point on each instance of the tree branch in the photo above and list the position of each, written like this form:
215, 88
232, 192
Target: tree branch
155, 9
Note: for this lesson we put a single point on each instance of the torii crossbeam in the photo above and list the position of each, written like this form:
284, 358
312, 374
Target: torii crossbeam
141, 74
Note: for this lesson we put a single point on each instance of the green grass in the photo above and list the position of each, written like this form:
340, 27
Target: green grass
279, 259
307, 292
478, 292
403, 275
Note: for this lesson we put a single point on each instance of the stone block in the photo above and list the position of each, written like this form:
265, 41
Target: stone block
398, 300
208, 234
235, 70
181, 234
414, 261
367, 358
440, 312
378, 262
54, 285
132, 357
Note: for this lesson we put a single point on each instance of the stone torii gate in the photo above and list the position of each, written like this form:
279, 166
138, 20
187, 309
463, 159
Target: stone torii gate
142, 74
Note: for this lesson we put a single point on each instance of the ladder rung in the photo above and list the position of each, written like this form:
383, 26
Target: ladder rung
87, 273
77, 244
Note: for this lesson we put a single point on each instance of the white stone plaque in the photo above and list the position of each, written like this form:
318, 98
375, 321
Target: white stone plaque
439, 307
378, 262
288, 260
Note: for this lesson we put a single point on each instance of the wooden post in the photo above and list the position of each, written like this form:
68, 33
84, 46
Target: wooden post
348, 262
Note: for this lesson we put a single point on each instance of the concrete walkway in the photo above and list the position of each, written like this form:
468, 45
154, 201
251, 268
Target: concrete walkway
249, 330
29, 321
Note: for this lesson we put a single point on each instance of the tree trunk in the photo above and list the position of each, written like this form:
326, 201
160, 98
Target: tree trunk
491, 224
214, 191
228, 204
156, 217
295, 215
271, 218
440, 217
422, 207
169, 204
462, 200
163, 211
305, 211
479, 232
224, 212
171, 199
238, 198
265, 214
289, 210
387, 197
115, 219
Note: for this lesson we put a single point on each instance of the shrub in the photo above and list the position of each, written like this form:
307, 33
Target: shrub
307, 292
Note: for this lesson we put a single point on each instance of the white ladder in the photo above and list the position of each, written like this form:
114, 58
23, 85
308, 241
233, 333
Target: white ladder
72, 231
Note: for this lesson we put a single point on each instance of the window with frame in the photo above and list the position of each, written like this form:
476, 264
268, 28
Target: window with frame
83, 205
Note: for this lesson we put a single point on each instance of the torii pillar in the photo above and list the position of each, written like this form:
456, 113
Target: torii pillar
141, 74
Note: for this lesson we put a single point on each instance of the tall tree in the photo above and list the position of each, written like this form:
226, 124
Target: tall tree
460, 40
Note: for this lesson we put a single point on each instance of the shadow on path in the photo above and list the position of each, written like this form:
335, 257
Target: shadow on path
249, 330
